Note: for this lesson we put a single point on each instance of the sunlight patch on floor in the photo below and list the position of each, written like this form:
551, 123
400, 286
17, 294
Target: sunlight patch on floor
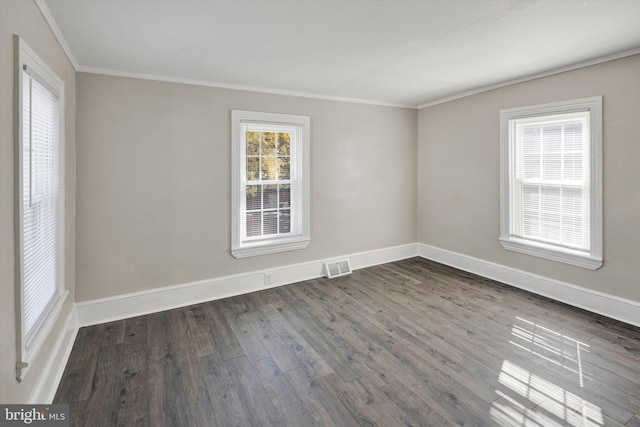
551, 404
550, 345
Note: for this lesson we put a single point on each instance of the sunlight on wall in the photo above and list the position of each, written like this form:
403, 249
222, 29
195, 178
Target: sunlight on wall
531, 400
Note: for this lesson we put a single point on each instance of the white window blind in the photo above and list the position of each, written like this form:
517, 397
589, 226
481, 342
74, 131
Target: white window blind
41, 202
551, 184
39, 216
551, 181
270, 183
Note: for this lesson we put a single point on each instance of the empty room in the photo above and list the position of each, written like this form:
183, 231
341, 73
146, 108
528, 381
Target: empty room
320, 213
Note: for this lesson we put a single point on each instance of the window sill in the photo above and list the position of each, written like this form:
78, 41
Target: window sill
30, 351
269, 247
551, 252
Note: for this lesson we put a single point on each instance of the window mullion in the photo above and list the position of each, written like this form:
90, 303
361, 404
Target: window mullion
541, 163
562, 179
277, 172
277, 203
30, 189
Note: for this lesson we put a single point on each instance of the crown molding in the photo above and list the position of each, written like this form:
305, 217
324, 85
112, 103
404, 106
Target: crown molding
578, 65
233, 86
48, 16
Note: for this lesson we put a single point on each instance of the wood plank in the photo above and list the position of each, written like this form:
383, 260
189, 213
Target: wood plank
226, 342
157, 348
633, 422
176, 389
291, 408
338, 353
244, 333
272, 342
78, 413
134, 391
112, 333
200, 334
226, 406
259, 406
327, 408
106, 387
81, 366
303, 352
414, 409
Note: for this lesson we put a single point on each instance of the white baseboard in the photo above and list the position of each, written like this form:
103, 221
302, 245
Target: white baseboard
625, 310
45, 389
159, 299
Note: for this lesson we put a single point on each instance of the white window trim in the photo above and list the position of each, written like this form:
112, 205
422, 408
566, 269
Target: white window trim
592, 260
240, 249
27, 350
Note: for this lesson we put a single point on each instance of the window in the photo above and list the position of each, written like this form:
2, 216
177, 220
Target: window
551, 181
270, 194
39, 215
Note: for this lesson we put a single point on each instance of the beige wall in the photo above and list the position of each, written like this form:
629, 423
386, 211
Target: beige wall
459, 171
154, 181
23, 18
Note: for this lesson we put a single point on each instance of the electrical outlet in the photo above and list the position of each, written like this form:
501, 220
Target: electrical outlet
267, 279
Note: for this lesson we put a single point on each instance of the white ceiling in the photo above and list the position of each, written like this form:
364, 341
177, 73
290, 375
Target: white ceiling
408, 53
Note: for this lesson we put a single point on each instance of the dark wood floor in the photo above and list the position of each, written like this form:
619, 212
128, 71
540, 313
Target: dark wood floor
408, 343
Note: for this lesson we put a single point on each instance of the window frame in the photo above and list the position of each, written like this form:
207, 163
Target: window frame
27, 347
241, 246
591, 259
